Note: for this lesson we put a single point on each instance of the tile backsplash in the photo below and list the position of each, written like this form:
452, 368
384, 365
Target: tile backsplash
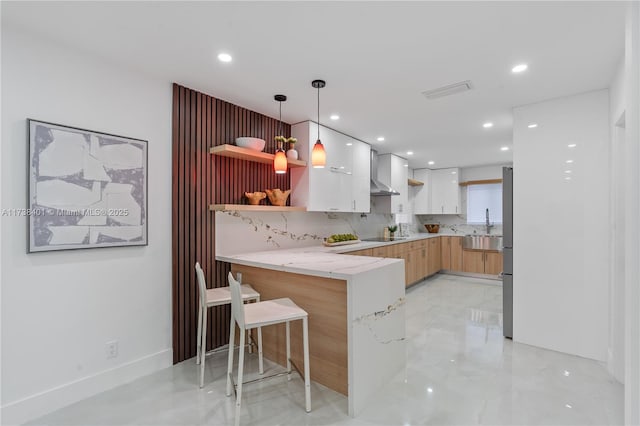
244, 231
456, 224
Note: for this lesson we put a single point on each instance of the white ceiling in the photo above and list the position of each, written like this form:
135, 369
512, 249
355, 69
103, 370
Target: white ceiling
377, 58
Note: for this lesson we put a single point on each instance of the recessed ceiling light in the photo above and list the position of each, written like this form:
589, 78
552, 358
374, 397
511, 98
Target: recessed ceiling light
572, 145
487, 125
224, 57
568, 405
567, 171
409, 152
569, 161
566, 373
335, 117
532, 125
453, 173
431, 163
380, 138
504, 148
567, 178
430, 390
349, 143
406, 165
519, 68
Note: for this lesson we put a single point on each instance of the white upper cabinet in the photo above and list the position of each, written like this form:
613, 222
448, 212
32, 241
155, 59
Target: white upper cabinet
337, 187
393, 171
361, 176
445, 191
422, 194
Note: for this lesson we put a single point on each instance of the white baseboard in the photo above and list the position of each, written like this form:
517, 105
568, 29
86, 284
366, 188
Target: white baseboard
41, 403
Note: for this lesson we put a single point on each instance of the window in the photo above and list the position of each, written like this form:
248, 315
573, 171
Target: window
483, 197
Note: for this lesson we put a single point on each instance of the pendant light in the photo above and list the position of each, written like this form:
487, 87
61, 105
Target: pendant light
318, 156
280, 159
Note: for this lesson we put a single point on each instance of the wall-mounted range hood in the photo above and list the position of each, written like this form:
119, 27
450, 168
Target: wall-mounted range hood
378, 188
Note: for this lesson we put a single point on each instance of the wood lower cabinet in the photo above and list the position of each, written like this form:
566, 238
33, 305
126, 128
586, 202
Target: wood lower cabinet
492, 262
482, 262
456, 253
433, 256
421, 257
473, 261
451, 253
365, 252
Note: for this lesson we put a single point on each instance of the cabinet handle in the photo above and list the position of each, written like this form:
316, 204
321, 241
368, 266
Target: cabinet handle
456, 209
338, 170
354, 204
442, 208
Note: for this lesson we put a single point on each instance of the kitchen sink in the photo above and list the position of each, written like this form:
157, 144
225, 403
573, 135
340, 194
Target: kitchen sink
482, 242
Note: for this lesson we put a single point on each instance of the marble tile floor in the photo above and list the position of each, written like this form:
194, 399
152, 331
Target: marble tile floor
460, 370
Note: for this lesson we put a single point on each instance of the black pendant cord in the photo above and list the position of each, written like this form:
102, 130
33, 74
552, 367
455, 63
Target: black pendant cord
318, 112
280, 128
280, 99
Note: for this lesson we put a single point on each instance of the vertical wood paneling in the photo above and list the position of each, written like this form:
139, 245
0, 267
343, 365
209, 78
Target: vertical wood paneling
199, 122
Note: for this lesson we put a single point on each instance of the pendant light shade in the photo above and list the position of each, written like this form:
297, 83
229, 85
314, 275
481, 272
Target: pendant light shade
280, 159
280, 162
318, 155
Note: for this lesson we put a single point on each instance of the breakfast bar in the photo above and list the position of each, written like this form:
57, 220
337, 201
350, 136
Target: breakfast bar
356, 314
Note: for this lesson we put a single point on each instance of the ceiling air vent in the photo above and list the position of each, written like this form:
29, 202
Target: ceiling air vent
451, 89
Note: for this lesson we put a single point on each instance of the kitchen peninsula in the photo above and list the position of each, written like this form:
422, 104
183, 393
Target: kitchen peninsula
356, 314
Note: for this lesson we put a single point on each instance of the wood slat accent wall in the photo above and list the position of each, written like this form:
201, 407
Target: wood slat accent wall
199, 179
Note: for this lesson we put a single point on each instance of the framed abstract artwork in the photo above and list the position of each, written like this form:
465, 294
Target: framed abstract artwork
87, 189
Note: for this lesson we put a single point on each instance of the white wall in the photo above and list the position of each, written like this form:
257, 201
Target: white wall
561, 234
481, 173
632, 214
60, 308
615, 355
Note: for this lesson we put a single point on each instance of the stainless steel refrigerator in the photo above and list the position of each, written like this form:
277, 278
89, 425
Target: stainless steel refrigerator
507, 239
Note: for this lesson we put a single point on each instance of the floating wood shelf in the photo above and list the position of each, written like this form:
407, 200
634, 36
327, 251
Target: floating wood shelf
480, 182
413, 182
258, 208
234, 151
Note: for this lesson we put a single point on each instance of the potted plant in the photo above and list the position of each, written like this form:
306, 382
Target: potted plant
392, 230
292, 154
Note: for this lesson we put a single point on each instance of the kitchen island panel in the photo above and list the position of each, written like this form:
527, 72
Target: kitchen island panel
377, 331
325, 300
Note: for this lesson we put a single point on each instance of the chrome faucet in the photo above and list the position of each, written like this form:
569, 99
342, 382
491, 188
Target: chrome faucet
488, 224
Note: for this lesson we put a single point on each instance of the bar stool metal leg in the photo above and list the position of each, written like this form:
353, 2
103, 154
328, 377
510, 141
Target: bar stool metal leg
288, 333
203, 347
232, 336
199, 332
260, 362
307, 378
240, 373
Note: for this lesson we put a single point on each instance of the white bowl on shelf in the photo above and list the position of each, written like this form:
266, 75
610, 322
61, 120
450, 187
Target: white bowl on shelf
252, 143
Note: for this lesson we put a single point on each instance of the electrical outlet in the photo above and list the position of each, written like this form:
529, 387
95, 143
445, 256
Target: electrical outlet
111, 349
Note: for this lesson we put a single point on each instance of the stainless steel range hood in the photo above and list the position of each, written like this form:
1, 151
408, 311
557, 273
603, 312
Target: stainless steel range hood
378, 188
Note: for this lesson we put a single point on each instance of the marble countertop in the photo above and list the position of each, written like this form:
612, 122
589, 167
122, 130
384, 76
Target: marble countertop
318, 260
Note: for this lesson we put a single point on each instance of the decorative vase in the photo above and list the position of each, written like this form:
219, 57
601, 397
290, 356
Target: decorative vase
292, 154
255, 197
392, 236
277, 196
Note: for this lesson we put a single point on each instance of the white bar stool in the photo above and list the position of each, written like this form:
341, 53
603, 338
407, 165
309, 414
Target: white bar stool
217, 297
261, 314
